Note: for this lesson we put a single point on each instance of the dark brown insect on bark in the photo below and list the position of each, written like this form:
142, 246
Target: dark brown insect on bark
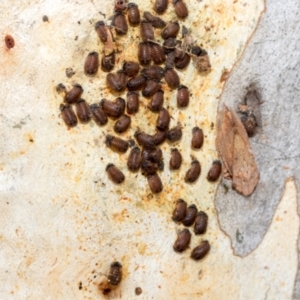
182, 63
156, 22
9, 41
116, 144
108, 62
120, 23
191, 214
153, 72
138, 291
133, 102
197, 138
215, 171
131, 68
151, 87
171, 31
183, 240
74, 94
98, 115
120, 5
157, 53
194, 172
157, 101
147, 31
122, 124
116, 81
180, 9
179, 211
136, 83
169, 45
68, 115
115, 174
171, 77
160, 6
200, 251
175, 160
145, 140
163, 120
91, 64
100, 28
115, 108
134, 159
155, 155
155, 183
133, 14
159, 137
175, 133
83, 111
144, 53
115, 273
201, 221
183, 96
148, 167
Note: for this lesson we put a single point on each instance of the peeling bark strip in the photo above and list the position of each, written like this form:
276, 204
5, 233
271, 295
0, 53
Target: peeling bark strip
233, 146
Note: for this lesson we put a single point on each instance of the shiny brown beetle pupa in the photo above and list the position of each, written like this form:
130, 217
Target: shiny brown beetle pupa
136, 83
122, 124
116, 144
73, 95
133, 102
157, 101
115, 273
171, 30
160, 6
163, 120
100, 28
83, 111
116, 81
153, 72
155, 183
68, 115
120, 23
151, 87
9, 41
147, 31
113, 109
215, 171
171, 77
91, 64
157, 54
133, 14
108, 62
98, 115
159, 137
194, 172
200, 223
183, 62
200, 251
120, 5
156, 22
145, 140
183, 96
131, 68
180, 9
134, 159
183, 240
197, 138
144, 53
191, 214
175, 160
179, 211
175, 133
115, 174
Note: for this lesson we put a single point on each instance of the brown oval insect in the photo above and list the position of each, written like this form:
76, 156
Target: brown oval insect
9, 41
159, 137
147, 31
91, 64
134, 159
116, 144
148, 167
138, 291
136, 83
133, 102
116, 81
144, 53
215, 171
183, 240
98, 114
154, 155
100, 28
197, 137
201, 223
169, 45
151, 87
155, 183
120, 5
115, 174
171, 30
157, 53
179, 211
122, 124
120, 23
183, 96
200, 251
115, 273
182, 63
83, 111
160, 6
174, 134
133, 14
163, 120
153, 72
74, 94
175, 160
131, 68
115, 108
108, 62
194, 172
157, 101
156, 22
68, 115
145, 140
180, 9
191, 214
171, 77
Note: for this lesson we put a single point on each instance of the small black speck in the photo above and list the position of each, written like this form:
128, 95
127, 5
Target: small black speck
31, 140
80, 285
45, 18
79, 22
76, 38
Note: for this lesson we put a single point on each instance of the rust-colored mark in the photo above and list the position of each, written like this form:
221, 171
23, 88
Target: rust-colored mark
9, 41
224, 75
